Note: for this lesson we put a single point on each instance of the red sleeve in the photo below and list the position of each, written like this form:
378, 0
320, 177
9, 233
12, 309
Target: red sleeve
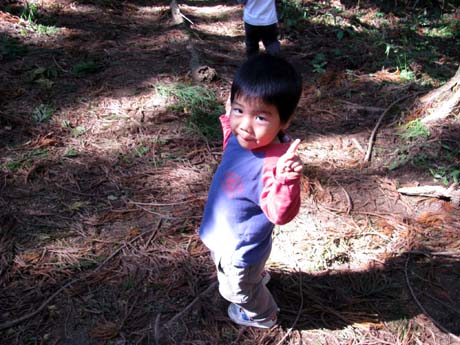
225, 122
280, 198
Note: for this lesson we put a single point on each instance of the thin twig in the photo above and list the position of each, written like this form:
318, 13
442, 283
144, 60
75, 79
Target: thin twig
349, 201
157, 329
159, 204
186, 18
450, 253
298, 312
191, 304
377, 125
14, 322
422, 308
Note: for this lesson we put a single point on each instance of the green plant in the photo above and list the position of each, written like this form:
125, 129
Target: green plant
86, 67
78, 131
188, 96
292, 13
66, 124
403, 66
43, 76
388, 48
200, 103
401, 159
319, 63
446, 175
447, 30
24, 160
45, 29
420, 160
416, 129
141, 151
42, 113
29, 12
71, 152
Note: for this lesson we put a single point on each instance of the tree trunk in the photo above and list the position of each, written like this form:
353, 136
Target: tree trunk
200, 73
439, 103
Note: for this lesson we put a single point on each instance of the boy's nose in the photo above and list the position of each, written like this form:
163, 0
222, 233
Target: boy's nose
245, 124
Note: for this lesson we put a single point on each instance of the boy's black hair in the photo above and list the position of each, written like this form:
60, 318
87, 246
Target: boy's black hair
271, 79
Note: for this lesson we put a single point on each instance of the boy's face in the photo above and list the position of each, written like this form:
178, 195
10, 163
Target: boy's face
254, 123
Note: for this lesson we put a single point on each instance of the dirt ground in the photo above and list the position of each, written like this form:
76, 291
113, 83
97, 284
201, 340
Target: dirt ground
100, 205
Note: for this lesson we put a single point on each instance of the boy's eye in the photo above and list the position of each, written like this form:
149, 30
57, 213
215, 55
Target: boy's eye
237, 110
261, 118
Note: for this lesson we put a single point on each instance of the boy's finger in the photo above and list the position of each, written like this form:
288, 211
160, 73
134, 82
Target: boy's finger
294, 146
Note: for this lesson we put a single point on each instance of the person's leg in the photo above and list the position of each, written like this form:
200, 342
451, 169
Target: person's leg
244, 286
270, 39
252, 39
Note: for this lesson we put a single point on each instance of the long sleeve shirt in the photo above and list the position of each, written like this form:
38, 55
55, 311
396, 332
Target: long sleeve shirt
246, 199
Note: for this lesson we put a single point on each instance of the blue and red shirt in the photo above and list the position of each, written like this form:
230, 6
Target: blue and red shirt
245, 201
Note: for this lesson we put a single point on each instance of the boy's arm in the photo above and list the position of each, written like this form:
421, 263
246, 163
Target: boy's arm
280, 199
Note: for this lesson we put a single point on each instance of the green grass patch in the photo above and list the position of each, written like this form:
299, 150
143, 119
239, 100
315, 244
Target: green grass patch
443, 165
30, 15
446, 174
415, 129
25, 160
199, 103
292, 13
42, 113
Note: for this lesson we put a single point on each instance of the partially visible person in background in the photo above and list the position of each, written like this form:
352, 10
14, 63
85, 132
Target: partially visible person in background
260, 24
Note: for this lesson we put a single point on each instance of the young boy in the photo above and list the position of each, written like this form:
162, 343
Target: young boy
260, 24
256, 185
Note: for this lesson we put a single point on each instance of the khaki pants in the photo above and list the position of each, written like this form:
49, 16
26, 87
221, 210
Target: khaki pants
243, 286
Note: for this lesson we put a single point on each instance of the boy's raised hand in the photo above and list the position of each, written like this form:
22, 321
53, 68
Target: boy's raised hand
289, 165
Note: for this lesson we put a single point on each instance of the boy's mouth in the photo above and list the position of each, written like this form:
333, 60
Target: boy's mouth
247, 138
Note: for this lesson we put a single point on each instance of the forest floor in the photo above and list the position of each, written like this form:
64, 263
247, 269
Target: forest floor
107, 149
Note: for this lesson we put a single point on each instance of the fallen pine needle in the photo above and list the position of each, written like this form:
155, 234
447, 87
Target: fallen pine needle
422, 308
23, 318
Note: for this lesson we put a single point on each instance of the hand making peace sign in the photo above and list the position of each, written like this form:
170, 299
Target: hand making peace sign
289, 165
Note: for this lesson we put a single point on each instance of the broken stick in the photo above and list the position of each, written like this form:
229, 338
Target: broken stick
452, 193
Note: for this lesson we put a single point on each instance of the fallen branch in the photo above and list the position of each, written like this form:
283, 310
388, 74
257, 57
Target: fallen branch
350, 105
451, 193
379, 121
